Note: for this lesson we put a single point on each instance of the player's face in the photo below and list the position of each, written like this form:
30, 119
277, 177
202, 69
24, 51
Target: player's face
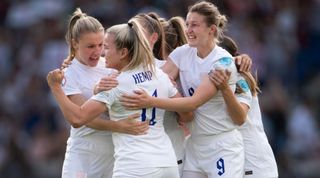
112, 55
89, 48
198, 32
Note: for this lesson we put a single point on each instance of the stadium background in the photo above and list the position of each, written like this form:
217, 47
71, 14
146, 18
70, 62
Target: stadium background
282, 37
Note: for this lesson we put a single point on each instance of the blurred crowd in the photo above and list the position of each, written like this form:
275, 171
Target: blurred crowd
282, 38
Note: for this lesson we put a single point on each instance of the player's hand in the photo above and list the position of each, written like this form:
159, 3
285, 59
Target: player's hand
243, 63
220, 78
184, 127
107, 83
132, 126
181, 122
66, 63
55, 77
140, 99
174, 83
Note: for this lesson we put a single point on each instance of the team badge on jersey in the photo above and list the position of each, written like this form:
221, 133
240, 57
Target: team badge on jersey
243, 85
226, 61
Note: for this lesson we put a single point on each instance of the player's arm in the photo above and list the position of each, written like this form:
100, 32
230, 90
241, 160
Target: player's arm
237, 111
205, 91
184, 116
76, 115
128, 125
171, 69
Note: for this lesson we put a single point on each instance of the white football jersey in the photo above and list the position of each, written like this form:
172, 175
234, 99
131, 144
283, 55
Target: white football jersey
172, 128
259, 158
81, 79
211, 117
159, 63
153, 149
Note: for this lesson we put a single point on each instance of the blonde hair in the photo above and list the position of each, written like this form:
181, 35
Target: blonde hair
131, 37
174, 30
80, 23
212, 17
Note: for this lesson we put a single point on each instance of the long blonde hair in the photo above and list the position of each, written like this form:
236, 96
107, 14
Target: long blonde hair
80, 23
131, 37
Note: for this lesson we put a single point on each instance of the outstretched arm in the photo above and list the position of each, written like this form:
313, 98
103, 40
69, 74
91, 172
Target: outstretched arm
202, 94
184, 116
128, 125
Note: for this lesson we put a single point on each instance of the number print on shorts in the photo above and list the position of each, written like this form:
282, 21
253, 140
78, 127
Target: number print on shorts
191, 91
220, 166
153, 114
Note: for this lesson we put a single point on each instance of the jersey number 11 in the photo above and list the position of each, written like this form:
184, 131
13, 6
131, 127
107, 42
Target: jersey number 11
153, 116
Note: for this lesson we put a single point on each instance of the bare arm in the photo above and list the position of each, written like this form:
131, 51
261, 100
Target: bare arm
237, 111
79, 100
202, 94
76, 115
173, 72
128, 125
171, 69
184, 116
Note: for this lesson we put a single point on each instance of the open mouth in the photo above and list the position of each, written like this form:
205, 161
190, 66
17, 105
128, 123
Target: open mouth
191, 37
94, 59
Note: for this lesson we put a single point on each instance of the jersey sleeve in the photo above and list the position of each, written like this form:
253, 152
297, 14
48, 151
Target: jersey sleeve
172, 90
177, 55
246, 96
227, 63
107, 97
71, 86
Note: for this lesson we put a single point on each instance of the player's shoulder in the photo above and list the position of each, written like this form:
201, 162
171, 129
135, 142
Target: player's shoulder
223, 57
160, 74
72, 69
242, 83
124, 77
184, 48
220, 52
127, 78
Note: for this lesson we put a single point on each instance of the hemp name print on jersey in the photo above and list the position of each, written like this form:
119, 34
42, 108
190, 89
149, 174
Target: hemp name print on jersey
142, 77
